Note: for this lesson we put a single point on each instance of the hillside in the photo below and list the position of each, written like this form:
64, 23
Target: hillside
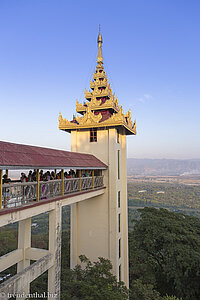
163, 167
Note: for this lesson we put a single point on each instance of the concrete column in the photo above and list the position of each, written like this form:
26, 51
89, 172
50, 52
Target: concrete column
74, 245
74, 141
125, 262
24, 242
112, 203
55, 231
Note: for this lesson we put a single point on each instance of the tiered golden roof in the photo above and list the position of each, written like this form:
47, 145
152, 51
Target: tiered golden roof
101, 108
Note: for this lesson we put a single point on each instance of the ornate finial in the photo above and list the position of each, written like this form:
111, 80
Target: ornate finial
100, 41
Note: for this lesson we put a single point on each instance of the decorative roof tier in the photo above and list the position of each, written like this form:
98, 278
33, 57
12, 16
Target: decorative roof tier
99, 92
101, 108
95, 104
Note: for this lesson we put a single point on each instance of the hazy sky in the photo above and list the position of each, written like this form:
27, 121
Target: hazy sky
151, 51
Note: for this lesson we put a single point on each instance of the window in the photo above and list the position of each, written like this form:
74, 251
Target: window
119, 272
117, 135
118, 160
119, 200
93, 135
119, 223
119, 248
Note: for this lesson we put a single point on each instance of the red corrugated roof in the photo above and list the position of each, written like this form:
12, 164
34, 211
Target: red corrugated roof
22, 156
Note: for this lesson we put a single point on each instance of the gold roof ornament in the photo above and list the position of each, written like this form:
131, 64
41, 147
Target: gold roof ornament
89, 118
64, 123
101, 108
100, 42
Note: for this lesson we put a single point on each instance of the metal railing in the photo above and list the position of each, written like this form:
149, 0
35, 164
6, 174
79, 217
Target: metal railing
98, 181
86, 183
19, 194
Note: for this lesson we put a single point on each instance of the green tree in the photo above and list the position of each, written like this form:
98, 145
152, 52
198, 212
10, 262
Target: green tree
171, 298
144, 291
165, 252
94, 281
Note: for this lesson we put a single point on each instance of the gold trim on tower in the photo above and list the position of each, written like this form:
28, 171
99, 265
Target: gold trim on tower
89, 118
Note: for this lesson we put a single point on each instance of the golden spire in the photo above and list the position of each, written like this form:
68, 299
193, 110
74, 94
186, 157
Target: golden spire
100, 102
99, 41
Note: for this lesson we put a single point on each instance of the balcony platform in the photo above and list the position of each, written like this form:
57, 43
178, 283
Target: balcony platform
15, 214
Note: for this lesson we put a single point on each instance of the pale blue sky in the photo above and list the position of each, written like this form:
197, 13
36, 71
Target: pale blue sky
151, 52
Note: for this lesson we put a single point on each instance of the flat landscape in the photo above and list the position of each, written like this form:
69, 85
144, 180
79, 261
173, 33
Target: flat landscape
180, 179
179, 194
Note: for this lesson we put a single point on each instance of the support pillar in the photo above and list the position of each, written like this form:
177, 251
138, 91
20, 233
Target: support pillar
74, 243
125, 262
55, 231
24, 242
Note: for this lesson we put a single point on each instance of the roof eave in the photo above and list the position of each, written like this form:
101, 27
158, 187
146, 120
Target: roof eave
19, 167
100, 125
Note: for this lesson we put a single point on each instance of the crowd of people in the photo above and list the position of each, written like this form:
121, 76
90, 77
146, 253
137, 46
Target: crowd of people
43, 176
32, 176
51, 175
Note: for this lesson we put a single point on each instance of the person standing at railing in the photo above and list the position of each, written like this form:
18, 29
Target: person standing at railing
69, 175
53, 176
48, 175
58, 175
30, 189
23, 177
45, 177
41, 175
6, 191
6, 179
30, 176
72, 173
34, 176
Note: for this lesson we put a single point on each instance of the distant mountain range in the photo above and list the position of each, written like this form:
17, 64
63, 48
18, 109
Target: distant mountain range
163, 166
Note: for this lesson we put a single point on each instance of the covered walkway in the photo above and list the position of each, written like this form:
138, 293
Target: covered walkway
20, 201
23, 157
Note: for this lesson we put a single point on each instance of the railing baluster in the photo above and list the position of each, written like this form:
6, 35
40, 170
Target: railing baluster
62, 177
38, 186
93, 179
79, 175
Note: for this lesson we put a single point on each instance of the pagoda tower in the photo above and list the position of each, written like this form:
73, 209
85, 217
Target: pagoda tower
99, 226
